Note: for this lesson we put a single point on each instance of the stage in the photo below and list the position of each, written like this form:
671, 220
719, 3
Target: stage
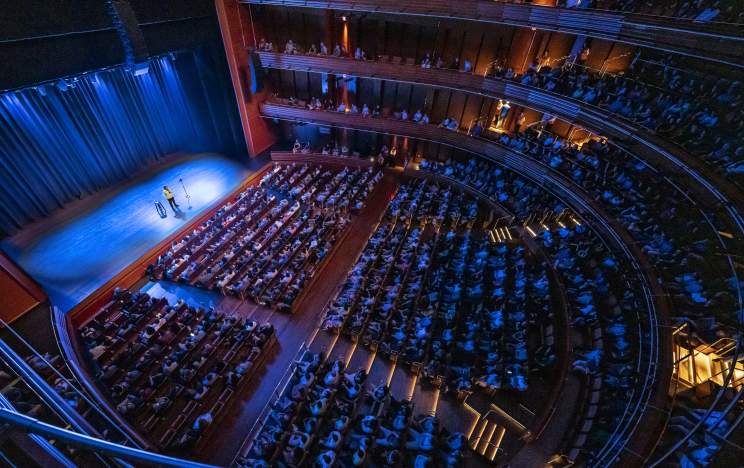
79, 248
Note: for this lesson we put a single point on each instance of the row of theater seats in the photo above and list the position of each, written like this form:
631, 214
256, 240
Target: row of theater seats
602, 302
691, 254
699, 113
269, 242
325, 417
172, 369
678, 237
647, 215
603, 306
673, 232
430, 288
700, 10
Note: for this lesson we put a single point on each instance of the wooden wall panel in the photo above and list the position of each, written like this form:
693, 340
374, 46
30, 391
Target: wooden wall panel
237, 36
18, 292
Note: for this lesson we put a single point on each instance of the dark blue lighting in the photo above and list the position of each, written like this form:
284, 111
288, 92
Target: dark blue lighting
77, 135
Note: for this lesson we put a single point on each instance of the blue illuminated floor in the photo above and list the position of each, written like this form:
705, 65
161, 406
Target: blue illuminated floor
82, 247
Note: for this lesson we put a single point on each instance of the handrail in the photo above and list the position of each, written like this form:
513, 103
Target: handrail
69, 350
594, 118
34, 426
43, 443
44, 391
42, 388
610, 25
62, 340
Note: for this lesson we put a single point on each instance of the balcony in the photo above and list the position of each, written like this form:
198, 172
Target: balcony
719, 42
711, 188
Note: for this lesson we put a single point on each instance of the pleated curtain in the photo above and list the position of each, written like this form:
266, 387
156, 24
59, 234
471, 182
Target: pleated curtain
69, 138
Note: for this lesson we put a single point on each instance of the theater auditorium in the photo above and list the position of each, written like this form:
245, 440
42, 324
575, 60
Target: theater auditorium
371, 233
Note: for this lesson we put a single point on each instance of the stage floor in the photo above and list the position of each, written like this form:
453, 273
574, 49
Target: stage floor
79, 248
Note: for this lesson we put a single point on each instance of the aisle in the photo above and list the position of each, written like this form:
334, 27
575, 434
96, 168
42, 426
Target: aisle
297, 330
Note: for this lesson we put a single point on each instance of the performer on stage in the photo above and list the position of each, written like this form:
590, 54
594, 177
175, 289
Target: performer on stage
171, 199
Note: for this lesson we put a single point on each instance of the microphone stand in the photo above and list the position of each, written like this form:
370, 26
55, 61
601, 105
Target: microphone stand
188, 197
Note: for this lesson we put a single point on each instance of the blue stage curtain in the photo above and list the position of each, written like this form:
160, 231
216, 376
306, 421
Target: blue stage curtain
69, 138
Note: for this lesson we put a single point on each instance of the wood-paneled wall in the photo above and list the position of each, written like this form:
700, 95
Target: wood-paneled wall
19, 293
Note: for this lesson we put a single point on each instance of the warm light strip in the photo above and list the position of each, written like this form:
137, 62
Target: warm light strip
488, 438
348, 358
412, 388
390, 375
371, 361
333, 345
434, 407
530, 231
476, 418
476, 440
518, 425
497, 443
314, 334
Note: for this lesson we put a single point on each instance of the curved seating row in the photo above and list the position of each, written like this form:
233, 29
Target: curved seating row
269, 242
629, 190
171, 370
601, 303
431, 290
710, 188
573, 196
325, 417
693, 432
606, 330
602, 319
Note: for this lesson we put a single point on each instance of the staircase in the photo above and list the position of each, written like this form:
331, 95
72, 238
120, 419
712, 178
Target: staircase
487, 436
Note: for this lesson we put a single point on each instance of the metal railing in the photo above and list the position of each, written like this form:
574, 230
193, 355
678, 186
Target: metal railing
34, 426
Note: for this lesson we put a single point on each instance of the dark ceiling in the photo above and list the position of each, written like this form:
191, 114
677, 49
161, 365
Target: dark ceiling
45, 39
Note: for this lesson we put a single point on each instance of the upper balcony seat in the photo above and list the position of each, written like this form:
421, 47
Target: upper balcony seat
720, 42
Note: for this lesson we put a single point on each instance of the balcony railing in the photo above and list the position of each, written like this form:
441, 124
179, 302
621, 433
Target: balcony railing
710, 188
709, 41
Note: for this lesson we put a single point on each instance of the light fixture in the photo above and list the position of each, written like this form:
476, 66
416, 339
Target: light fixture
141, 68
